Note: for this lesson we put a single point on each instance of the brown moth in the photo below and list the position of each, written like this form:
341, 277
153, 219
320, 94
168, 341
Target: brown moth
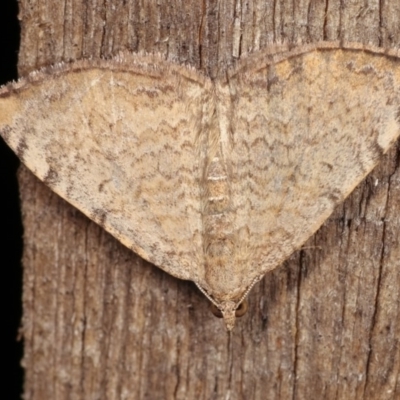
215, 181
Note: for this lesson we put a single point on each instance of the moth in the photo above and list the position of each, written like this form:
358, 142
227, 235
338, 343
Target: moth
214, 181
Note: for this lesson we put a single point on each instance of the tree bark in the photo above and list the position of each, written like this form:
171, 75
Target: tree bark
101, 323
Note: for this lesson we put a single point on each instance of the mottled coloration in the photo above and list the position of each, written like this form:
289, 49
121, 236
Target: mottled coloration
217, 181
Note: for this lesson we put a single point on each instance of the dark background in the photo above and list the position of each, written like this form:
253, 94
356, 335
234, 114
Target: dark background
10, 221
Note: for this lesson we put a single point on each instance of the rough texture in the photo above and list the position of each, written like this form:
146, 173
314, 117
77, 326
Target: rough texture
99, 322
217, 182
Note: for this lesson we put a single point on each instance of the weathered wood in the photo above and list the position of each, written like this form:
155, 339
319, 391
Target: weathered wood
99, 322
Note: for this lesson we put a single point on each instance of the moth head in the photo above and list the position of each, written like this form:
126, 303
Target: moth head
229, 311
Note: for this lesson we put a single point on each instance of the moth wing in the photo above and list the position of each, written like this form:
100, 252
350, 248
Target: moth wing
306, 129
122, 147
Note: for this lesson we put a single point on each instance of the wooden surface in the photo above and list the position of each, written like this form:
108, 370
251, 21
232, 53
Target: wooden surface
100, 323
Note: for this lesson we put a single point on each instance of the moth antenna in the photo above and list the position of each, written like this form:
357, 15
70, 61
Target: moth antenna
255, 280
207, 295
